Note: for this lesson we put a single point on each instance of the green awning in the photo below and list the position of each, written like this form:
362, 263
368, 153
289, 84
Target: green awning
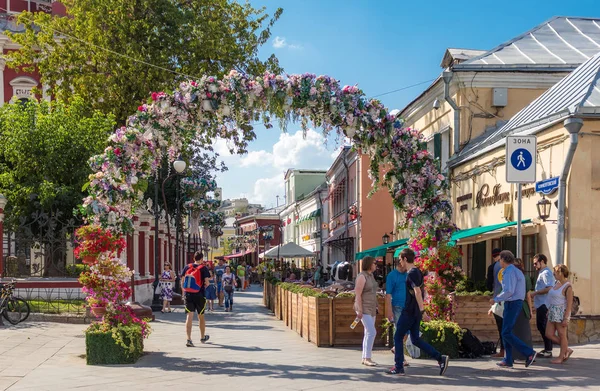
379, 251
398, 250
466, 233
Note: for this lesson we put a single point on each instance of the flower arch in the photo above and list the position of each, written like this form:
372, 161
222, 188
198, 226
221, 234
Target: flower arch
208, 109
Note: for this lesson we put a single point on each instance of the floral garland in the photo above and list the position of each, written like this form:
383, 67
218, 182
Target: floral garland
210, 108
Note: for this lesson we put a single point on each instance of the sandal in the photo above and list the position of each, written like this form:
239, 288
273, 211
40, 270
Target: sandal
568, 354
557, 361
369, 363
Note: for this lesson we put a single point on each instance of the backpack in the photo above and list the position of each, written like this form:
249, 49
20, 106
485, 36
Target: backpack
471, 346
192, 280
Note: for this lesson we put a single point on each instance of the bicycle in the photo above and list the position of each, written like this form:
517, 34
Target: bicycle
14, 309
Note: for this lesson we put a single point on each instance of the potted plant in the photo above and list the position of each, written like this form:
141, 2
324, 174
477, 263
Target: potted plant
117, 339
105, 283
93, 240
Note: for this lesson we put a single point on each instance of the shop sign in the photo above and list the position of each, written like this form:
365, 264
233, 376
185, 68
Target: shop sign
526, 193
463, 198
484, 198
547, 186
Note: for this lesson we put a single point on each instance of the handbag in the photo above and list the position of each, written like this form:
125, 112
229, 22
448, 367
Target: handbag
158, 289
498, 309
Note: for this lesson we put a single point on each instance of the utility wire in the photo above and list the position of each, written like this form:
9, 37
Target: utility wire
170, 70
404, 88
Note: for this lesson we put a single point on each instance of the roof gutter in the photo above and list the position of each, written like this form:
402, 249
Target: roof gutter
573, 125
447, 76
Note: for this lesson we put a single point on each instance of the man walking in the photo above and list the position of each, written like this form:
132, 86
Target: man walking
195, 277
410, 318
513, 294
545, 282
219, 271
395, 289
493, 285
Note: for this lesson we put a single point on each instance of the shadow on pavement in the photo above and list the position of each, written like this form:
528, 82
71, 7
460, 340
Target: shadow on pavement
421, 372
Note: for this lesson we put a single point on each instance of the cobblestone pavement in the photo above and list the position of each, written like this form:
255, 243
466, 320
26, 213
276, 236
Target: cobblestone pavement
250, 350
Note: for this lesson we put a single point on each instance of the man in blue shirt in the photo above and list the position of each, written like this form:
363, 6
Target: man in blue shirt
512, 294
544, 283
412, 314
395, 289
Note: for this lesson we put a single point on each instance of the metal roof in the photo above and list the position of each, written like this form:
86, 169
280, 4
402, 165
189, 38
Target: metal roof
576, 94
453, 55
561, 42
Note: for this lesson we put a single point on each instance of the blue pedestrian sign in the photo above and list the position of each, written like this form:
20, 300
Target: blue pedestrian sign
547, 186
521, 159
521, 153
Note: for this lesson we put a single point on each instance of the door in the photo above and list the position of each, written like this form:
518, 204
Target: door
478, 266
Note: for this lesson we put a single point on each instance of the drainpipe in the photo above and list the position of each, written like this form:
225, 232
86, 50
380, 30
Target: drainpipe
573, 126
447, 76
347, 188
320, 226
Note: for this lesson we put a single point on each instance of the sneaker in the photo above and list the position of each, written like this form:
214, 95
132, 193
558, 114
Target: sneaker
394, 371
503, 364
530, 359
189, 343
443, 364
545, 354
206, 337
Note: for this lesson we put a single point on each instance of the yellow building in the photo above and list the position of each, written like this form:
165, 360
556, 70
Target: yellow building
488, 95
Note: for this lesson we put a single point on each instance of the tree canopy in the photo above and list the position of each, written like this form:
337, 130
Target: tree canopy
110, 52
44, 149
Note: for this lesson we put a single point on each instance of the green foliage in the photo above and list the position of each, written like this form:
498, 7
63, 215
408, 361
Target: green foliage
44, 148
124, 345
346, 294
56, 306
469, 285
228, 246
76, 270
189, 37
474, 293
304, 291
443, 335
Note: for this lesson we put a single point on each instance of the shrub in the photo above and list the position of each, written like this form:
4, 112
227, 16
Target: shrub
305, 291
442, 335
76, 270
104, 347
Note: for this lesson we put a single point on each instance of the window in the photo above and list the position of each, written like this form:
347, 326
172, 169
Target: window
439, 147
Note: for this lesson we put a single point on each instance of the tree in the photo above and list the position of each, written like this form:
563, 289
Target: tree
92, 50
228, 246
44, 149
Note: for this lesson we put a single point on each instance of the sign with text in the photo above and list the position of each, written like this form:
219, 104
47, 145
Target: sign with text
547, 186
521, 152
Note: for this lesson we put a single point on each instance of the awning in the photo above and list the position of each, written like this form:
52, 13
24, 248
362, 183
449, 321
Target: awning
467, 233
399, 250
310, 216
231, 256
335, 234
288, 250
380, 251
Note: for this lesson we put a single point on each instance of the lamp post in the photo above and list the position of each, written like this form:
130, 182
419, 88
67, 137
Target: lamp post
179, 165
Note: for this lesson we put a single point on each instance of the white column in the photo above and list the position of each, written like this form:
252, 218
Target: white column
136, 252
2, 66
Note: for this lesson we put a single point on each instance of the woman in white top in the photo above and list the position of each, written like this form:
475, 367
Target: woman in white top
560, 300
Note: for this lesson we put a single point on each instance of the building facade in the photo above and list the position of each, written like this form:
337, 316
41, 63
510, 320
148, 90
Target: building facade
479, 99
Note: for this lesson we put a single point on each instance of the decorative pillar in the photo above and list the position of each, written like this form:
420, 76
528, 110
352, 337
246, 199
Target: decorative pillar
136, 246
145, 219
2, 205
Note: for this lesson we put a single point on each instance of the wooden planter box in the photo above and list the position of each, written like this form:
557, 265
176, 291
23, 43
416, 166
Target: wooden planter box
322, 321
472, 313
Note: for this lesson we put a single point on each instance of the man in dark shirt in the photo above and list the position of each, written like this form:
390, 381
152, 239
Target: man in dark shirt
494, 285
196, 302
411, 316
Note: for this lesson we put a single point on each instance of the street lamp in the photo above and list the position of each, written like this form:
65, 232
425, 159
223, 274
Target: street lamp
386, 238
543, 207
179, 165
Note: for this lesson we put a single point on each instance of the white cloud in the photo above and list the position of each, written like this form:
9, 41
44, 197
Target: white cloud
279, 42
256, 158
266, 190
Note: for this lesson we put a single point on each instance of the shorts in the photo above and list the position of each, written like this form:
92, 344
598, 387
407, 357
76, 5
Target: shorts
556, 313
195, 302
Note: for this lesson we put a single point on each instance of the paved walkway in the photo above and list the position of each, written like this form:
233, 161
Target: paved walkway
250, 350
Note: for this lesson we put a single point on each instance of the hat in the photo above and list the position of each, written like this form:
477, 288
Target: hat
496, 252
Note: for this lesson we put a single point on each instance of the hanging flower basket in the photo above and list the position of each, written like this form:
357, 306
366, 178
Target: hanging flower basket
98, 311
89, 260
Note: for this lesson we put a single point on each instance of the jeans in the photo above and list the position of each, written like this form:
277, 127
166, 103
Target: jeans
411, 323
511, 312
541, 319
368, 322
228, 299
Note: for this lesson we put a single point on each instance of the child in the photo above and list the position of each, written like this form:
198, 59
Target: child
211, 292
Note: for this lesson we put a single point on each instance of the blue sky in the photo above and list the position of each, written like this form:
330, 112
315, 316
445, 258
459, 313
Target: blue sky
381, 46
